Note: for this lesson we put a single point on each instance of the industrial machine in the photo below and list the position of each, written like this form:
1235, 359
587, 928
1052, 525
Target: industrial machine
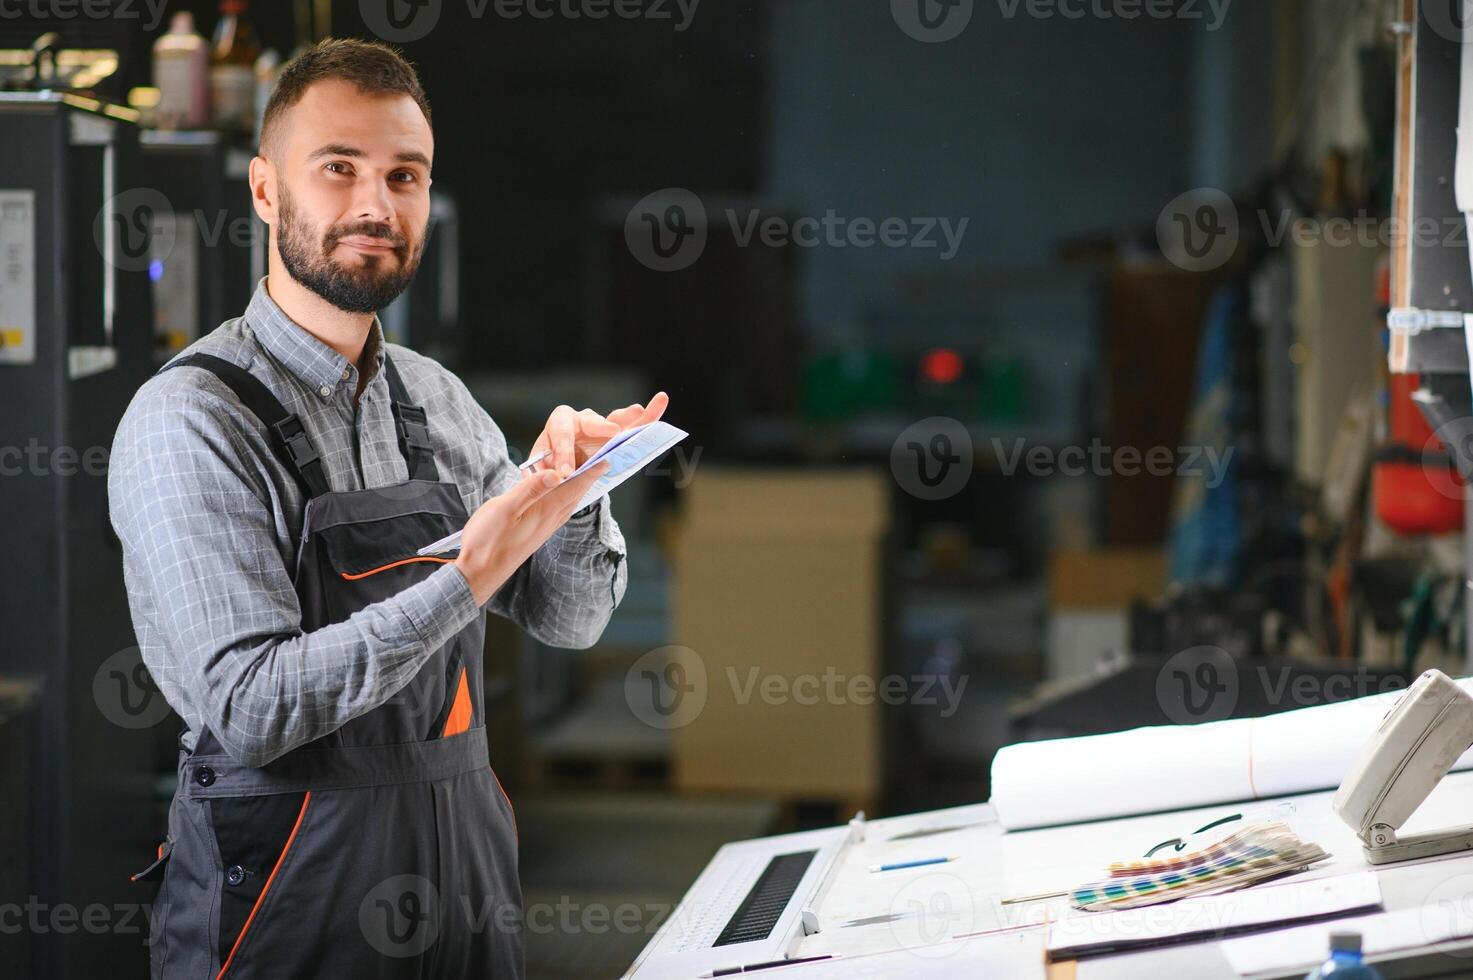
75, 337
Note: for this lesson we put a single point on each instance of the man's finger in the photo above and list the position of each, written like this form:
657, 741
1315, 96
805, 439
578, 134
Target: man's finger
532, 488
571, 491
561, 430
655, 409
625, 417
590, 423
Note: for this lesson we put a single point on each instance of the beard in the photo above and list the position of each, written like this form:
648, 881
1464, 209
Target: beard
365, 287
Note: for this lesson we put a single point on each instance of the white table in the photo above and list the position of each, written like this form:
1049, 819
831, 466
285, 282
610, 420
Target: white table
951, 912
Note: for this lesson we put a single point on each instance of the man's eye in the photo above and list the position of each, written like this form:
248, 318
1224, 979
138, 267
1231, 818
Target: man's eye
338, 167
404, 176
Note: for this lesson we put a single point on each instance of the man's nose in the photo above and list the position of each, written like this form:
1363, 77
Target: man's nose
371, 202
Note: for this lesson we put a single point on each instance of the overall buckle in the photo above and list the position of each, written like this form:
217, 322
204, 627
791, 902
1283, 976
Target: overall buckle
294, 437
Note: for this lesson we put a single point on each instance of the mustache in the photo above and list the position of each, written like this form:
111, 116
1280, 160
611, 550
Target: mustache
367, 229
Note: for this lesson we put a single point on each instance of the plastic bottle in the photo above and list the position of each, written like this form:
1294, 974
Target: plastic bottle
180, 73
233, 54
268, 67
1345, 960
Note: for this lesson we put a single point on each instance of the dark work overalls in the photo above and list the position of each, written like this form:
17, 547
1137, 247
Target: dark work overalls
387, 848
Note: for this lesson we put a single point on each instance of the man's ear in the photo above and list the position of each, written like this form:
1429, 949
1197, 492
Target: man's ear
262, 179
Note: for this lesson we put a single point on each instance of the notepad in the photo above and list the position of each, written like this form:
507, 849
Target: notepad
628, 453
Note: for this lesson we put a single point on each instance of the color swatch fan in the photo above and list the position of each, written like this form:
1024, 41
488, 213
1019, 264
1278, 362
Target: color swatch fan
1253, 853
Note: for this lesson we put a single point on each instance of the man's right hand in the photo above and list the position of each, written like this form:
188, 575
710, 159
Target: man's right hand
506, 530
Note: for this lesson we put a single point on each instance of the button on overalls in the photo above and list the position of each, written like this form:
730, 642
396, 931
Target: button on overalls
387, 848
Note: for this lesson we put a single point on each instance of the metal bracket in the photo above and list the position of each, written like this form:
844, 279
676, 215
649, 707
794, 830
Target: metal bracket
1382, 846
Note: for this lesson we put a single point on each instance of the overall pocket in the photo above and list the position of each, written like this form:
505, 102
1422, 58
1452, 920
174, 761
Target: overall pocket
254, 835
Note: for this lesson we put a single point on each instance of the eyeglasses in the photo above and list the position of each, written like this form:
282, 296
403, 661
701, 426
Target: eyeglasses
1179, 844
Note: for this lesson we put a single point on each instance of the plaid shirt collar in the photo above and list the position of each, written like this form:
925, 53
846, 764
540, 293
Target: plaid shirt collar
303, 355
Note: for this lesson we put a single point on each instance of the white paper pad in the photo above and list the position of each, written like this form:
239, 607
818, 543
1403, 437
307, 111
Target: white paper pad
628, 452
1086, 933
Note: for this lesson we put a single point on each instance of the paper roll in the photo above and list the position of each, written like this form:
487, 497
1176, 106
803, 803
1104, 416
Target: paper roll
1175, 767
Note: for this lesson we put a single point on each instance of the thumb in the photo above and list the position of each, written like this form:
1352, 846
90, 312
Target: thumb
530, 490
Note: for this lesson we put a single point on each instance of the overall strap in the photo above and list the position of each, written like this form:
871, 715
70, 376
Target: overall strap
288, 438
411, 423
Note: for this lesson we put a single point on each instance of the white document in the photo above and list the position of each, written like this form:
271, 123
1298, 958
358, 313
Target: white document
1442, 927
628, 452
1175, 767
1212, 916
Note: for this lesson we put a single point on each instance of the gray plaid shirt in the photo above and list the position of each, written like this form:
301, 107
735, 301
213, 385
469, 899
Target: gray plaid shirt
210, 519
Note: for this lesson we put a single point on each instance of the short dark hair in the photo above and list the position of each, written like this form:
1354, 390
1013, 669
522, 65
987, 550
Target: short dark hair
373, 67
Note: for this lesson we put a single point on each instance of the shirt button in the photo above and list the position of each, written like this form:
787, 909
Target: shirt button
235, 875
346, 372
205, 776
324, 391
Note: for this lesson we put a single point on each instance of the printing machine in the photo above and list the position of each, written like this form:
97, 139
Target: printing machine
75, 337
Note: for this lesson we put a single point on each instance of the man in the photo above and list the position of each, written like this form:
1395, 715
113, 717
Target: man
272, 486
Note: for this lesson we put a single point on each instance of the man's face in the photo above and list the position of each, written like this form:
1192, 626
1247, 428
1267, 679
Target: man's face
353, 194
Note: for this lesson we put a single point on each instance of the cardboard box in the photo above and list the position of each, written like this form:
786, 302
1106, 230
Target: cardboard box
1109, 578
778, 591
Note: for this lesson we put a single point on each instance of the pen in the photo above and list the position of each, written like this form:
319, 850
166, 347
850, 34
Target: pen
919, 863
770, 964
535, 460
